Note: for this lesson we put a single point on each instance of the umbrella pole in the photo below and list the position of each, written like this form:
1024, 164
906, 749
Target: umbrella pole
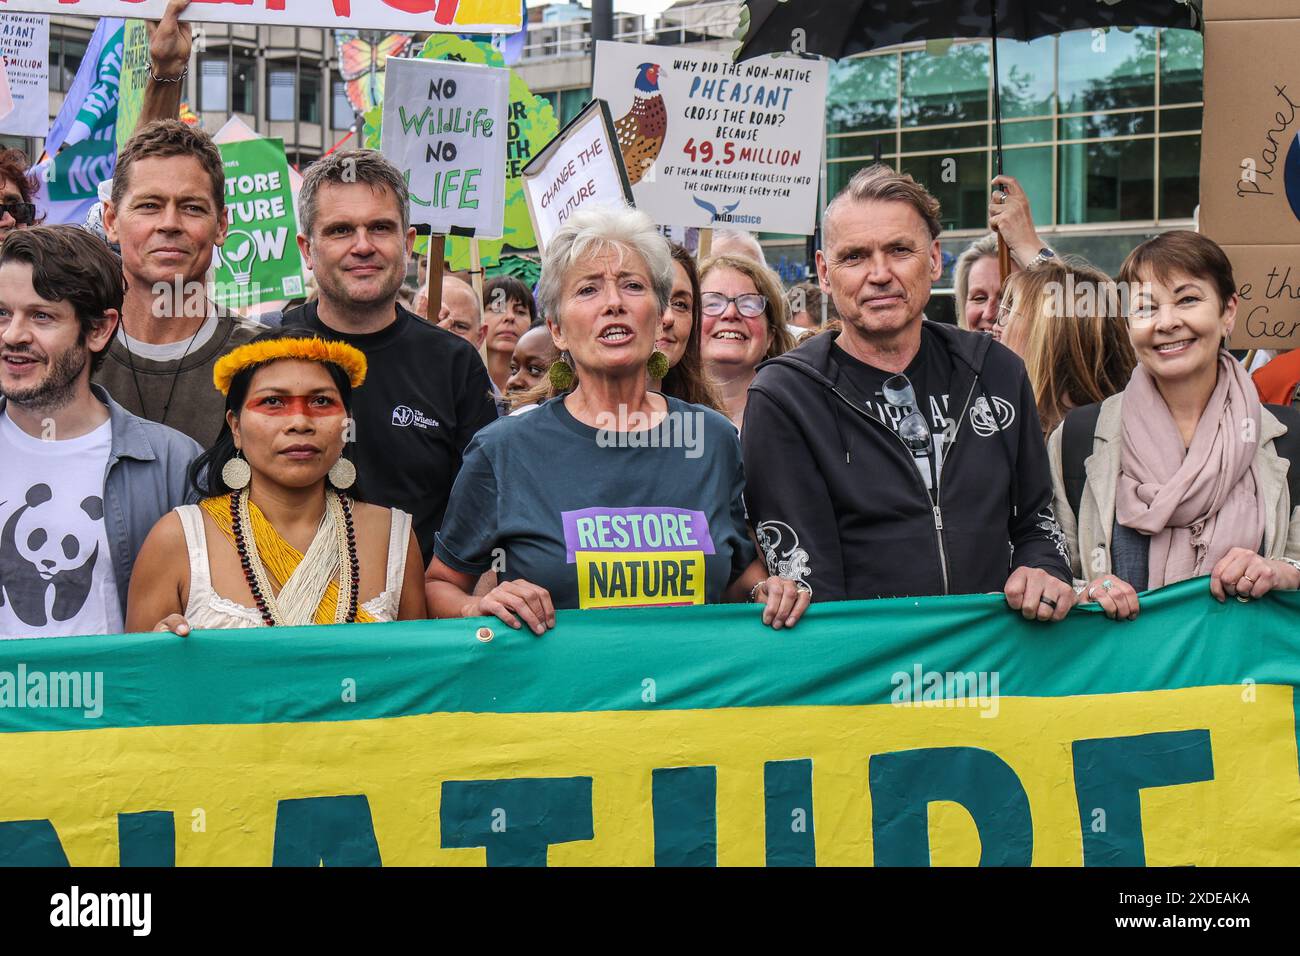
1004, 251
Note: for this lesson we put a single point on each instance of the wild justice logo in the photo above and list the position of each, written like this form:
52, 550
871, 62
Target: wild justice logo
638, 557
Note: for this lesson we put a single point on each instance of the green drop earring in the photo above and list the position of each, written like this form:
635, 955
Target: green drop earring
561, 374
657, 366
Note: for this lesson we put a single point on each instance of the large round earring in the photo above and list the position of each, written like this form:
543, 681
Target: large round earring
657, 366
235, 473
561, 374
343, 474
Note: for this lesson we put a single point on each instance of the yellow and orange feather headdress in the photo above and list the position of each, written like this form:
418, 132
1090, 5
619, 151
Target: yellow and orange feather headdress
346, 357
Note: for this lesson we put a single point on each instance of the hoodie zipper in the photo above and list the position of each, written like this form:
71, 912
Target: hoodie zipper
935, 510
938, 482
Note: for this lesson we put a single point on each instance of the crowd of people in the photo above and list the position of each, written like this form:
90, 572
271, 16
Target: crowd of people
641, 429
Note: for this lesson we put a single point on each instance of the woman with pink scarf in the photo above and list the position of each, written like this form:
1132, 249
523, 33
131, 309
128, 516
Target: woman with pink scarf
1184, 478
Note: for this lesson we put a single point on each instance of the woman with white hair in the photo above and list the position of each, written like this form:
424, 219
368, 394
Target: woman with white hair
609, 494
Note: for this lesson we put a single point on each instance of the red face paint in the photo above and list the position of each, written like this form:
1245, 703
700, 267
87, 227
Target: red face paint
313, 406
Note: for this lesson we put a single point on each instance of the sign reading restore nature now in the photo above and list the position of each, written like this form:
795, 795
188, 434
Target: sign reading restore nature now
260, 260
909, 731
455, 16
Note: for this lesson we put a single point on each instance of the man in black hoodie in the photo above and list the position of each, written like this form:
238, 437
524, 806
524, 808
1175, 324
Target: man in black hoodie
900, 457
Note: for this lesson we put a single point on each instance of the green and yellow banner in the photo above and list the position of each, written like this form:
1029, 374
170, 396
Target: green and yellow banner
940, 731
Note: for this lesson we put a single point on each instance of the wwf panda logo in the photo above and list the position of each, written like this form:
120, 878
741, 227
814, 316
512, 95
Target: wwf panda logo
32, 560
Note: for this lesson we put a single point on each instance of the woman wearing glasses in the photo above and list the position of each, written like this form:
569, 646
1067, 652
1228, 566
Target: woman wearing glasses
745, 315
1183, 473
17, 190
610, 494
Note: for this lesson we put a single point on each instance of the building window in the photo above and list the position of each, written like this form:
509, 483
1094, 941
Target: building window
572, 102
214, 77
66, 54
1110, 181
342, 115
243, 85
1083, 113
309, 94
281, 91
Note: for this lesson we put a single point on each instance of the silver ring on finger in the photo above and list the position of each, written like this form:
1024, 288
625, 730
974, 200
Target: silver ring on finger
1107, 584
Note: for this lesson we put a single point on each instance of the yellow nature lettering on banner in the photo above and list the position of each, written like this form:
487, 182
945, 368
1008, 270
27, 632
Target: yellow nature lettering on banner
640, 579
232, 777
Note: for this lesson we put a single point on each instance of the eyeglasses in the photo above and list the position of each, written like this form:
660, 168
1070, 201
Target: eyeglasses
24, 213
751, 305
912, 429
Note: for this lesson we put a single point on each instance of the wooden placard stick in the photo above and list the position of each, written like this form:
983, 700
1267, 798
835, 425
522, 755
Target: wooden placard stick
476, 268
437, 251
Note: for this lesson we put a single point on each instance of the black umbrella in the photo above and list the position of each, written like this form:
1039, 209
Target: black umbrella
840, 28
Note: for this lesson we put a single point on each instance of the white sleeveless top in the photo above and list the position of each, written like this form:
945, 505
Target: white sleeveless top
207, 610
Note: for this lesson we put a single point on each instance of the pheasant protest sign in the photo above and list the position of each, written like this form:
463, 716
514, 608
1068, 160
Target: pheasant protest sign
712, 143
580, 167
25, 48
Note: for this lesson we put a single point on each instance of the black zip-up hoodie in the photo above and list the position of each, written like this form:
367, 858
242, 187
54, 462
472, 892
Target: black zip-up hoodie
836, 499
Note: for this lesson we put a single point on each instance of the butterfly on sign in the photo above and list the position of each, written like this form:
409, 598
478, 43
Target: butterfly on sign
362, 64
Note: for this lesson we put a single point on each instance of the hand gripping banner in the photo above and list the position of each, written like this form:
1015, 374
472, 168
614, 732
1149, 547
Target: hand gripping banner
933, 731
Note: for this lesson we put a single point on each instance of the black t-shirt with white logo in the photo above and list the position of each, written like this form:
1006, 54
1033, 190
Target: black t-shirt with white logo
426, 393
929, 372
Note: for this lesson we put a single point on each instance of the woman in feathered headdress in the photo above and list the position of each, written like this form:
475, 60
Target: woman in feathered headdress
278, 537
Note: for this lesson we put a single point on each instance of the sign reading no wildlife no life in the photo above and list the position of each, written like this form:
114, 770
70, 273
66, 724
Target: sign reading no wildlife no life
445, 129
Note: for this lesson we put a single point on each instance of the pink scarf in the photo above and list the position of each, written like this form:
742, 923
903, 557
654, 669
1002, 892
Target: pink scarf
1199, 503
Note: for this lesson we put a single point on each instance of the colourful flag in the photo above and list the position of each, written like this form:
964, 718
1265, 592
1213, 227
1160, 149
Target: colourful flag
81, 145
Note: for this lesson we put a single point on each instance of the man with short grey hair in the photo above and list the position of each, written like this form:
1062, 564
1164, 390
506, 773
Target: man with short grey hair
900, 457
427, 391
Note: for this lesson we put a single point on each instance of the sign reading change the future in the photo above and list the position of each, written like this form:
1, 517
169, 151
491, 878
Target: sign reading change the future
260, 261
580, 167
445, 127
712, 143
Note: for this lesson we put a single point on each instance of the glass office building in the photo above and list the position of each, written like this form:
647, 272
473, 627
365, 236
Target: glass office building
1101, 128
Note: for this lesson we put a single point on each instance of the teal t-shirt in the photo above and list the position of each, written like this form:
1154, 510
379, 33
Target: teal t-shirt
603, 517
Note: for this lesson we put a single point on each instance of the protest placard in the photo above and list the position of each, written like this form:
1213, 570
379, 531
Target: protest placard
1250, 162
582, 166
532, 124
445, 128
25, 48
135, 77
454, 16
260, 260
712, 143
81, 142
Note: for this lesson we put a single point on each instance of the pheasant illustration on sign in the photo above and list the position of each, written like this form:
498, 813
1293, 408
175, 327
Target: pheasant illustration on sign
641, 129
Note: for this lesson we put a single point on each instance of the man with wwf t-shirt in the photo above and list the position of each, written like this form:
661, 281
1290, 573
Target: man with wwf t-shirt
426, 391
900, 457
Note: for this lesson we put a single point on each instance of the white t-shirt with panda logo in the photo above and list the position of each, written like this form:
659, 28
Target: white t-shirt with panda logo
56, 570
